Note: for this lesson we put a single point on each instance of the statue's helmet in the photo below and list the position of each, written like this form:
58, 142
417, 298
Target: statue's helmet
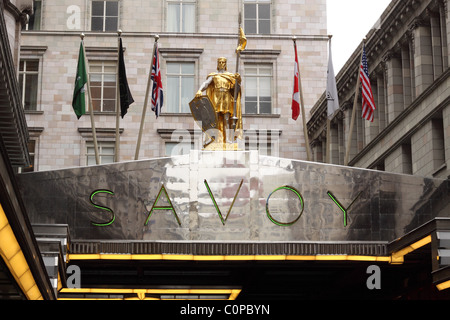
222, 62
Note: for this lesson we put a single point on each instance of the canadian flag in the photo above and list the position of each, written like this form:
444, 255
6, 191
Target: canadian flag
296, 93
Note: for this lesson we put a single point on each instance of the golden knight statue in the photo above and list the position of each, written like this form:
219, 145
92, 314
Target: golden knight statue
223, 89
220, 88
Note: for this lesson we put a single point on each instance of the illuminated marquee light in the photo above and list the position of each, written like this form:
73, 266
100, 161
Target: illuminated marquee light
231, 294
190, 257
223, 220
398, 255
394, 258
285, 224
443, 285
14, 258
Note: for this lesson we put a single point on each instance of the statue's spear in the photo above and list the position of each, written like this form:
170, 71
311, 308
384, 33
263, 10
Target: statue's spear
242, 42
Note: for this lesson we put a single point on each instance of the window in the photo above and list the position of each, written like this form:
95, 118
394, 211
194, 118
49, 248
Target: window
103, 85
178, 148
180, 83
28, 83
438, 143
181, 16
34, 20
105, 16
258, 89
106, 152
257, 16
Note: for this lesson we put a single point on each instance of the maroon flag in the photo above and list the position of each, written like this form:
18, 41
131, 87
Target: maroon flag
296, 94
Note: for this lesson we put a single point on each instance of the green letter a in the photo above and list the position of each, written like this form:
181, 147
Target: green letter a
169, 207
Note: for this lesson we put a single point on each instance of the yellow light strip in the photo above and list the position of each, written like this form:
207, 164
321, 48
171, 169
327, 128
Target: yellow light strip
397, 257
443, 285
342, 257
416, 245
233, 293
12, 254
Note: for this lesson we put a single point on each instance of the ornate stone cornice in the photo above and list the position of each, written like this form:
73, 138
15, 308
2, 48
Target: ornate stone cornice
417, 22
390, 54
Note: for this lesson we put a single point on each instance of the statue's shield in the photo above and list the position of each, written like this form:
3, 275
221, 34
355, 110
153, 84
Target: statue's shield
203, 112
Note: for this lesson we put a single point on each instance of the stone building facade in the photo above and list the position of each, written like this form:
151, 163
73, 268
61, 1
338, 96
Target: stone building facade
409, 73
193, 34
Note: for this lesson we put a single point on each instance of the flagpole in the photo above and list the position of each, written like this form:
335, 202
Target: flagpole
144, 110
117, 153
352, 122
238, 55
305, 129
91, 109
328, 145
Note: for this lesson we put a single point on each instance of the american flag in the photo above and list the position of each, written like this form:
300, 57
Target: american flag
157, 91
368, 104
296, 93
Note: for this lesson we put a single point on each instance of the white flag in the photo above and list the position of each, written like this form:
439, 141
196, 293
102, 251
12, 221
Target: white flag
332, 94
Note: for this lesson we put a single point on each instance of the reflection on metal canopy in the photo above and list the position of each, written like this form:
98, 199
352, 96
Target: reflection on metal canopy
233, 196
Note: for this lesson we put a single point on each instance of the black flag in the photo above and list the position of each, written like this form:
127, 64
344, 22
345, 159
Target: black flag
125, 94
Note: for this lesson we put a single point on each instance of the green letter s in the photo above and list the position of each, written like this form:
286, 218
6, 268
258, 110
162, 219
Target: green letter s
102, 224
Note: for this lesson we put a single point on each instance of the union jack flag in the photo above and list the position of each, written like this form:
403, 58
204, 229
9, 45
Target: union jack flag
157, 91
368, 103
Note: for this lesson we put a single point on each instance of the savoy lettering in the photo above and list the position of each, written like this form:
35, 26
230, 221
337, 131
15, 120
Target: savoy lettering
163, 193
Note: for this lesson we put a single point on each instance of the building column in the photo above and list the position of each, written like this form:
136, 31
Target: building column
446, 124
395, 104
406, 73
324, 150
381, 97
334, 145
341, 138
435, 26
444, 28
445, 23
372, 129
347, 108
411, 47
360, 132
316, 148
423, 56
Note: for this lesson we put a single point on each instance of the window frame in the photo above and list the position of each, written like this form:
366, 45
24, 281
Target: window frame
258, 76
181, 4
104, 16
23, 83
180, 77
101, 145
96, 63
257, 19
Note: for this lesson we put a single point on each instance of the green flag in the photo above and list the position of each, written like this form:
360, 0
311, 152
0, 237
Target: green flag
79, 102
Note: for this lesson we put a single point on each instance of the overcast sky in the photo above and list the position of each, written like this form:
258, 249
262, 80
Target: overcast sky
349, 21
